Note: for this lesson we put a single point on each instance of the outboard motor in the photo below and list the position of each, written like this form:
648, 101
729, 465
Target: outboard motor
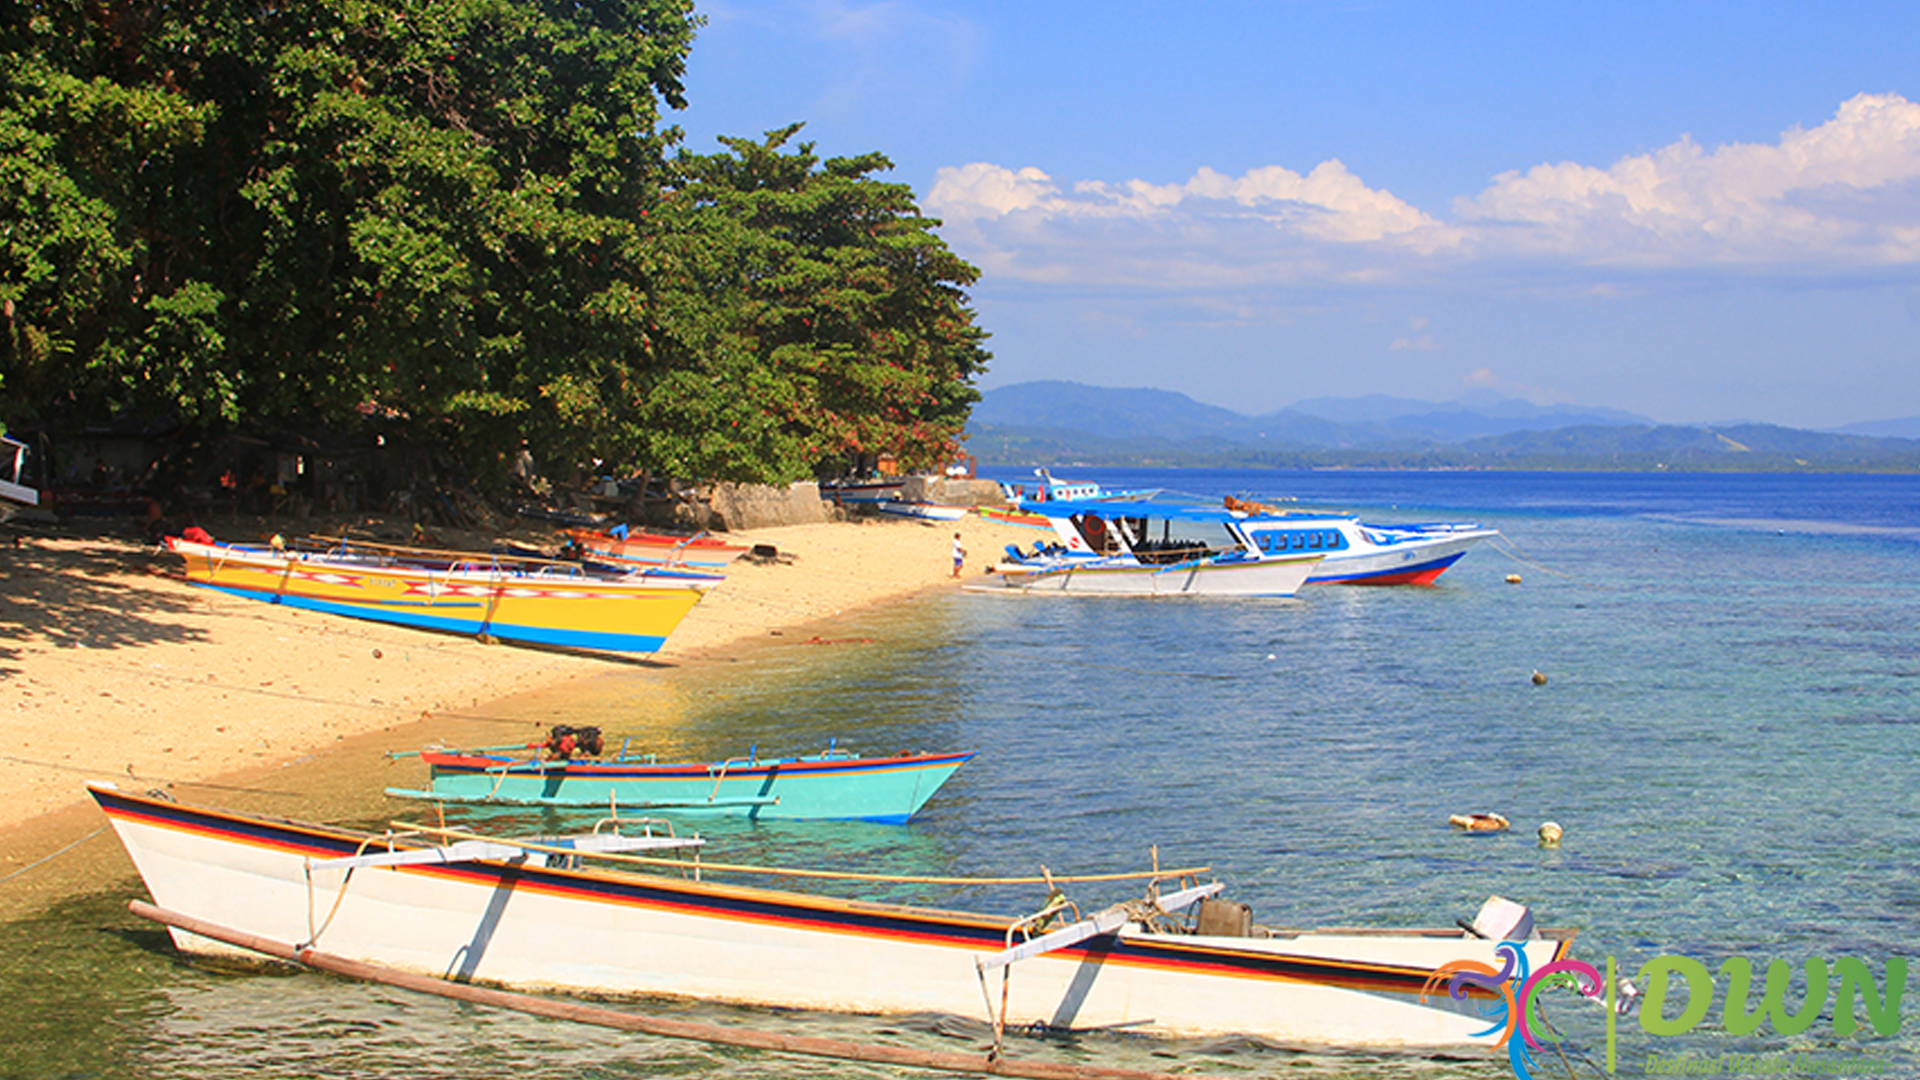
563, 742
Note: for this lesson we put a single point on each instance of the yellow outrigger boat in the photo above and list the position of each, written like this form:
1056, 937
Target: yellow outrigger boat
510, 598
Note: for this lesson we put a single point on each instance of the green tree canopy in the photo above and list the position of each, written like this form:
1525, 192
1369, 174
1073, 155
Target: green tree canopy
460, 215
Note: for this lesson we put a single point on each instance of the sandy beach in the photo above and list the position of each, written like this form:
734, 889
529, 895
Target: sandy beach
114, 668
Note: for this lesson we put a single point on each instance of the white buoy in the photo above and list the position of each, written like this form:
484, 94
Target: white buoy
1550, 834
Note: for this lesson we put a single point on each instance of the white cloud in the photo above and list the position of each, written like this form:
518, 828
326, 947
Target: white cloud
1841, 193
1842, 196
1423, 343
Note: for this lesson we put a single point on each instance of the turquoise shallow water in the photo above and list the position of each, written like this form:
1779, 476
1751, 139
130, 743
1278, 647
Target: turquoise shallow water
1728, 734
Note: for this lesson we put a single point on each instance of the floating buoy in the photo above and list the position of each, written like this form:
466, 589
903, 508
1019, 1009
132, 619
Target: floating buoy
1513, 579
1478, 822
1550, 834
1539, 679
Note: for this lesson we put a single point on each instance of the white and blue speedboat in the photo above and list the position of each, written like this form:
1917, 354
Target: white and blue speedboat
1242, 548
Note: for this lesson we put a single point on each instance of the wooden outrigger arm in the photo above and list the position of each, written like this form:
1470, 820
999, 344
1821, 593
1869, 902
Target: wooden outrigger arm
1105, 921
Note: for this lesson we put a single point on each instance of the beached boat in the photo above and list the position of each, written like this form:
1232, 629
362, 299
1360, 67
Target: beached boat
1048, 489
555, 914
835, 785
1013, 515
922, 511
1133, 549
15, 493
509, 598
1359, 552
872, 489
627, 545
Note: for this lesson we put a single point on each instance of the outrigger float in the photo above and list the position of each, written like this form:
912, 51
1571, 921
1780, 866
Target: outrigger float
636, 913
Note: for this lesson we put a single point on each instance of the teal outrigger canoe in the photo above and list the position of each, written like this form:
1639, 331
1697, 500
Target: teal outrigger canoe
835, 785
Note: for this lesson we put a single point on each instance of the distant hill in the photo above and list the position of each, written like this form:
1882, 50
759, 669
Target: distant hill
1070, 423
1908, 428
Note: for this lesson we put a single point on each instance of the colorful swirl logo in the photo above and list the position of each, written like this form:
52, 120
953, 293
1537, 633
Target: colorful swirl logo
1511, 989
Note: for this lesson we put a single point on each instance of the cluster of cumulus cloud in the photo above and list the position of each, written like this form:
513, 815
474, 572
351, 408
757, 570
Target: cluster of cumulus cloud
1841, 198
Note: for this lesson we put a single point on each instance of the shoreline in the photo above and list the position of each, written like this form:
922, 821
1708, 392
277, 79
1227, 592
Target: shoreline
122, 671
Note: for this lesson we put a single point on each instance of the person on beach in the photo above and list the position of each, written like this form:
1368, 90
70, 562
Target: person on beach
959, 555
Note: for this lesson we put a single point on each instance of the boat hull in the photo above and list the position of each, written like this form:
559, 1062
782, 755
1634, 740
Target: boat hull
1373, 555
656, 549
836, 787
522, 924
579, 612
1280, 577
923, 511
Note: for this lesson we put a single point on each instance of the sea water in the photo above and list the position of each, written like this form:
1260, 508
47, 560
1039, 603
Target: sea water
1728, 732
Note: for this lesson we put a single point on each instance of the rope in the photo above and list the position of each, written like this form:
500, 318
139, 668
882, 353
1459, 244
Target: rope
1505, 547
339, 703
782, 871
55, 855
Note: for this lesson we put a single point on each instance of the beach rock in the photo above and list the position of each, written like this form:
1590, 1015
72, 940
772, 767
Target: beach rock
952, 491
761, 506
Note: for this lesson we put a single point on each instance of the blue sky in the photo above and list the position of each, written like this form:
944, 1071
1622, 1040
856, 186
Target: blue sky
1696, 212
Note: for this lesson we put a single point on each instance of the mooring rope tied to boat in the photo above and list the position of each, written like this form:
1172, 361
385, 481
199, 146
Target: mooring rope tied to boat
1505, 547
341, 703
417, 828
581, 1013
49, 858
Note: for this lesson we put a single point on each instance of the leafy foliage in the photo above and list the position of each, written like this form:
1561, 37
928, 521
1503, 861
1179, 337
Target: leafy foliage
459, 216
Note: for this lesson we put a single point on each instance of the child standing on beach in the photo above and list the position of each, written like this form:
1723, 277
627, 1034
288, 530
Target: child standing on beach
959, 555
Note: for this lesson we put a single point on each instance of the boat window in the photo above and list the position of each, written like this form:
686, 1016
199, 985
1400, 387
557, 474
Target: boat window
1313, 540
1299, 540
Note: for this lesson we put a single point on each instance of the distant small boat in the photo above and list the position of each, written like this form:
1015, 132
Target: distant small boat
925, 511
627, 545
869, 490
834, 785
1048, 489
514, 599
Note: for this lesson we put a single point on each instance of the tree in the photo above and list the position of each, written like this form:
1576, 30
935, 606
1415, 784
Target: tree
459, 216
296, 211
809, 314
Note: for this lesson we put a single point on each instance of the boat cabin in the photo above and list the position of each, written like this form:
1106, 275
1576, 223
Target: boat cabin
1154, 535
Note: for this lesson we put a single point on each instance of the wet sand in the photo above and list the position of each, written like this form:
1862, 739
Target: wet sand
113, 668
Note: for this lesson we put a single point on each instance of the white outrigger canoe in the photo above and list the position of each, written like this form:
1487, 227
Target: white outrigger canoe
1149, 549
528, 914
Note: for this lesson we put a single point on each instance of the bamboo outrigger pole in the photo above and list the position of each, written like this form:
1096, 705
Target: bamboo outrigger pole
812, 1046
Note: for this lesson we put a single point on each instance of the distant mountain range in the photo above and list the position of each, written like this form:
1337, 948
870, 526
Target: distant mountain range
1059, 423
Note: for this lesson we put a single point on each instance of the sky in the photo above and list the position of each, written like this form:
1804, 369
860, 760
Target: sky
1695, 212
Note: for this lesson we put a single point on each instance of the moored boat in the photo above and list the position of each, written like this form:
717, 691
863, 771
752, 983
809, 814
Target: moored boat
1046, 488
1112, 549
514, 599
923, 511
834, 785
554, 914
1358, 552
